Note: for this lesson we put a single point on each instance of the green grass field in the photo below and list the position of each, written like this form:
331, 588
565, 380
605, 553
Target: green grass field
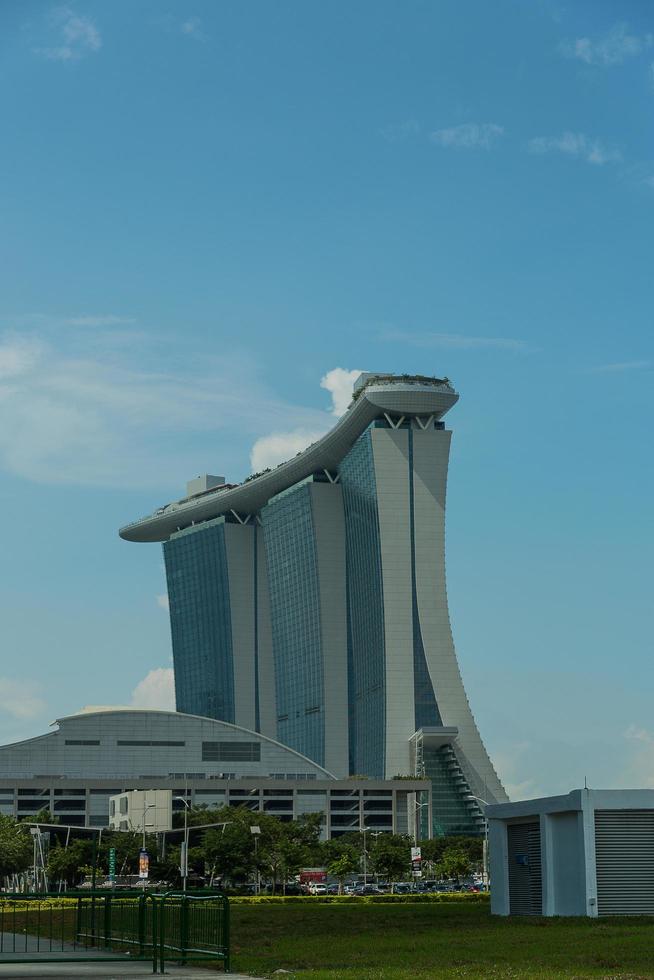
379, 942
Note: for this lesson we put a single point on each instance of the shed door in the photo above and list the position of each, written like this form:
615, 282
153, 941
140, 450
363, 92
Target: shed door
525, 887
624, 853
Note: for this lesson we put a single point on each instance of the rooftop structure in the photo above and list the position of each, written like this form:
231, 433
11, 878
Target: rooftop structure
374, 395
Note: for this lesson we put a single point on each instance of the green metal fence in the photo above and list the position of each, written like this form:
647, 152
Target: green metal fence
102, 925
192, 927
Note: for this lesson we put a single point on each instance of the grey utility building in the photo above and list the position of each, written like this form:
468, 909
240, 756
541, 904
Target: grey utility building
590, 852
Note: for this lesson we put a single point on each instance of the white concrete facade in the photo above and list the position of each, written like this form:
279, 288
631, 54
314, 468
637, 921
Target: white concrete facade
142, 809
430, 465
392, 480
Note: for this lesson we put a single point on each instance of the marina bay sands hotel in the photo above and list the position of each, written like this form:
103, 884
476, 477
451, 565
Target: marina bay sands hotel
309, 603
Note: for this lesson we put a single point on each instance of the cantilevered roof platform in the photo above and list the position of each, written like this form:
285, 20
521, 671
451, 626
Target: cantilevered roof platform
375, 395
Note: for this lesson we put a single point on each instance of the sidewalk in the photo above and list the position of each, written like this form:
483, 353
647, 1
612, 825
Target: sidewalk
108, 971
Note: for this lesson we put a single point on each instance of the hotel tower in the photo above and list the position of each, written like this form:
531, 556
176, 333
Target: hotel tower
308, 603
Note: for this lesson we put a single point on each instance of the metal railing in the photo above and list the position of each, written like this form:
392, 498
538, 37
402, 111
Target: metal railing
192, 927
107, 925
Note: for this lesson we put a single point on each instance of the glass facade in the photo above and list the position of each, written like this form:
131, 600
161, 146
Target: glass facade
200, 621
365, 612
452, 810
288, 530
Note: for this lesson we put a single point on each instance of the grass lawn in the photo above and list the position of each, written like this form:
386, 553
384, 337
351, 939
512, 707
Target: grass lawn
381, 942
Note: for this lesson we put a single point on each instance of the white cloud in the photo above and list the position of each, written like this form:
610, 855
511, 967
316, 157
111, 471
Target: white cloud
575, 145
452, 341
162, 601
612, 49
93, 408
18, 357
469, 135
77, 36
276, 448
193, 28
156, 690
20, 699
339, 382
618, 367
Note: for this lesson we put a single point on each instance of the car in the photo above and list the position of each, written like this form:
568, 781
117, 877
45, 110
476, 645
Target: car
293, 888
403, 888
316, 888
367, 890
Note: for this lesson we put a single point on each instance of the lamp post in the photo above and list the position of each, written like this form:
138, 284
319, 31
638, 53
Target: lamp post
484, 872
376, 834
184, 864
255, 830
364, 831
418, 806
146, 807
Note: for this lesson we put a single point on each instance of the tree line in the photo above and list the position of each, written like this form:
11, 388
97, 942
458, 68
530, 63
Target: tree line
231, 854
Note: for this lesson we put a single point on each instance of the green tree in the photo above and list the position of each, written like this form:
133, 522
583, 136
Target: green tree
343, 864
65, 863
16, 847
391, 856
229, 850
434, 850
454, 864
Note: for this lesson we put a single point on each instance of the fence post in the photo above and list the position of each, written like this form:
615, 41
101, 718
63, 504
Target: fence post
154, 933
227, 938
142, 918
162, 933
183, 927
107, 921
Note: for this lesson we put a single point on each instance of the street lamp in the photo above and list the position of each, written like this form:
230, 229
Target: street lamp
418, 806
364, 831
485, 848
184, 864
255, 830
146, 807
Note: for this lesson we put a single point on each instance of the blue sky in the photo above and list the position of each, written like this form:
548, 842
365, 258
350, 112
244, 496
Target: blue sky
206, 207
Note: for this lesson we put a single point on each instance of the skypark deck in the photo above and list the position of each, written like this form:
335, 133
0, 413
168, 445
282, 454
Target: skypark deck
375, 396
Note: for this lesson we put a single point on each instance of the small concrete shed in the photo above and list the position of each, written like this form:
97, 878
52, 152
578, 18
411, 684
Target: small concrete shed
590, 852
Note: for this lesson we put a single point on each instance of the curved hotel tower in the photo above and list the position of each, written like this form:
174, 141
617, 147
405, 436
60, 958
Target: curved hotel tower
309, 602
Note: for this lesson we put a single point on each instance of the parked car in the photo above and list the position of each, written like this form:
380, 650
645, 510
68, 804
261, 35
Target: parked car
367, 890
